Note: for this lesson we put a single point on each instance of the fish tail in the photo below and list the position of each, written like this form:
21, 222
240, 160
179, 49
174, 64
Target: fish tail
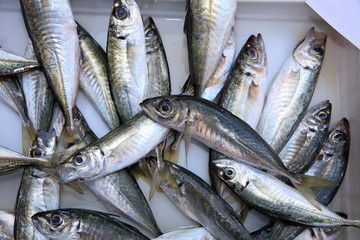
160, 173
172, 152
304, 184
26, 140
30, 129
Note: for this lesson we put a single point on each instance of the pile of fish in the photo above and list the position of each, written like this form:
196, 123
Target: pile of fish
267, 148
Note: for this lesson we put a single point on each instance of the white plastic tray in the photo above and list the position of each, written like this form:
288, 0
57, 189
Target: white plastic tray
282, 24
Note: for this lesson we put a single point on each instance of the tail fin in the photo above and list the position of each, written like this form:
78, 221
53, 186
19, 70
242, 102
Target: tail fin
304, 183
159, 170
165, 174
172, 152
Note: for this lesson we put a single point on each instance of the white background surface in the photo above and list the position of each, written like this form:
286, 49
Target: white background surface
282, 26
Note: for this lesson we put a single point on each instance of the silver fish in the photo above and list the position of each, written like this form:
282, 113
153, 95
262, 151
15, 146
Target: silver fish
118, 190
38, 96
83, 224
157, 65
11, 161
198, 201
94, 79
273, 197
332, 160
330, 164
118, 149
6, 225
305, 143
198, 233
12, 63
207, 27
291, 91
126, 58
215, 84
38, 192
52, 29
222, 131
244, 92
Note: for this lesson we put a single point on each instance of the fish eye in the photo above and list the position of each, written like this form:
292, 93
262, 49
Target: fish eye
338, 136
322, 115
37, 152
120, 12
76, 117
150, 32
165, 107
56, 220
251, 53
318, 50
229, 173
79, 159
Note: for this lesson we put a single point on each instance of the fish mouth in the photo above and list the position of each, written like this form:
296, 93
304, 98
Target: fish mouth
38, 223
315, 37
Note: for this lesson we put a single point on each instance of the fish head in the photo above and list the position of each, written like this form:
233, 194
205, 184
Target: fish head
85, 164
167, 110
231, 172
310, 51
124, 17
43, 145
56, 224
252, 58
318, 117
152, 37
338, 138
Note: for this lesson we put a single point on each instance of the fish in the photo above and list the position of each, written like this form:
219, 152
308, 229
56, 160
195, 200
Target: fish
213, 87
159, 84
38, 95
330, 163
332, 160
11, 161
13, 63
157, 65
196, 233
305, 143
12, 94
118, 190
244, 92
38, 192
212, 90
126, 56
222, 131
275, 198
6, 225
291, 90
198, 201
52, 30
207, 28
83, 224
116, 150
94, 80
